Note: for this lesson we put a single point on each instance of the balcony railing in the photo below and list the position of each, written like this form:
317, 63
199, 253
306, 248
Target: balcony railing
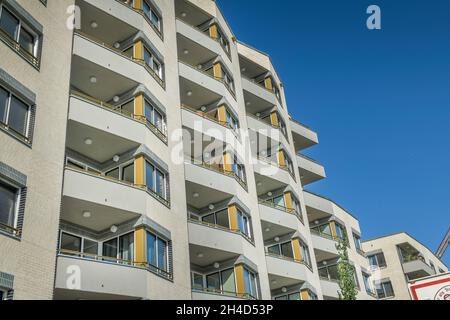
123, 182
141, 62
10, 230
277, 256
324, 235
117, 109
14, 45
271, 203
269, 160
218, 227
217, 167
209, 117
224, 293
220, 79
263, 86
117, 261
129, 5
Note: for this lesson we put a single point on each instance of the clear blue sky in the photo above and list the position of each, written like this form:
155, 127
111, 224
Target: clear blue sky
379, 100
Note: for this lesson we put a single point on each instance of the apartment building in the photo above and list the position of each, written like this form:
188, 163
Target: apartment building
397, 259
152, 156
34, 90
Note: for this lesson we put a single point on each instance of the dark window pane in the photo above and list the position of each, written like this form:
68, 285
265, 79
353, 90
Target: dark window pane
388, 289
162, 254
4, 95
197, 281
209, 219
222, 219
18, 116
381, 260
286, 250
114, 174
128, 173
7, 204
90, 247
9, 23
151, 249
110, 248
160, 183
126, 247
333, 270
281, 298
70, 243
323, 273
228, 280
128, 108
274, 250
26, 40
149, 176
294, 296
213, 281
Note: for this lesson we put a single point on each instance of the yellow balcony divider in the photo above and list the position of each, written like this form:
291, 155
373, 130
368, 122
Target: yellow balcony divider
304, 294
139, 167
139, 107
274, 119
227, 162
268, 83
222, 114
218, 71
288, 201
213, 33
281, 159
232, 213
240, 282
296, 248
140, 235
137, 4
138, 51
333, 230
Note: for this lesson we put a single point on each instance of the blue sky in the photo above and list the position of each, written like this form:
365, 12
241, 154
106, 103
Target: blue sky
380, 101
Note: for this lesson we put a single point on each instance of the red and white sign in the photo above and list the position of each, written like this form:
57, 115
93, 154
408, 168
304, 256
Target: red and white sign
431, 288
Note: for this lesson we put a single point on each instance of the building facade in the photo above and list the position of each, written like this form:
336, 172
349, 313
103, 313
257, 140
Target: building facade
152, 156
397, 259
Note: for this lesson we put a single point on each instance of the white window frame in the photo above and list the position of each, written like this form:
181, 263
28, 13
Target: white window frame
23, 25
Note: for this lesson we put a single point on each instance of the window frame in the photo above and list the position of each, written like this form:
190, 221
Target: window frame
156, 169
152, 12
5, 120
381, 286
22, 25
16, 200
157, 238
375, 255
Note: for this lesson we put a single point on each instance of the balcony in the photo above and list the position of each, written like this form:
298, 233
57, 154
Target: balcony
416, 269
324, 247
330, 289
262, 126
285, 272
259, 91
277, 219
108, 57
208, 294
310, 170
99, 279
303, 136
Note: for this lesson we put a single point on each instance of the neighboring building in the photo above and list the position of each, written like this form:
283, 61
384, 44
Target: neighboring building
397, 259
152, 156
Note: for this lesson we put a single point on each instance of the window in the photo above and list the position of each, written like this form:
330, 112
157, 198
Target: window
127, 108
128, 173
231, 121
243, 223
17, 31
70, 243
157, 252
384, 289
197, 281
14, 113
304, 251
313, 296
121, 247
125, 172
282, 249
155, 180
153, 62
114, 173
219, 218
367, 283
9, 199
357, 240
377, 260
340, 231
250, 283
329, 272
152, 15
222, 281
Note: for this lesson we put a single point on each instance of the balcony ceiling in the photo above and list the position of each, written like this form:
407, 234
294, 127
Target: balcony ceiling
314, 214
254, 104
105, 145
308, 177
278, 282
210, 255
250, 69
109, 84
200, 95
196, 55
268, 184
323, 255
66, 294
102, 217
109, 30
206, 195
193, 16
275, 230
